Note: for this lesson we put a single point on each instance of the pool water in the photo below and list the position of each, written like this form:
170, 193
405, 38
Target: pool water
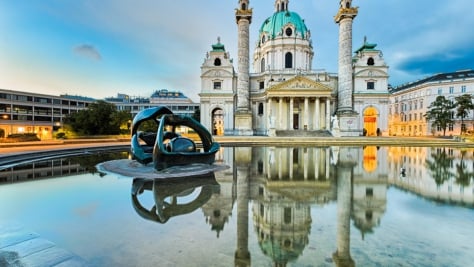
272, 207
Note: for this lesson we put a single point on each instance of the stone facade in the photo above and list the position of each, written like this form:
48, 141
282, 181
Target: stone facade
284, 94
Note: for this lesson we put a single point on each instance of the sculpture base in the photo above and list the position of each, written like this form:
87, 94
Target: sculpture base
336, 132
349, 124
272, 132
132, 168
243, 124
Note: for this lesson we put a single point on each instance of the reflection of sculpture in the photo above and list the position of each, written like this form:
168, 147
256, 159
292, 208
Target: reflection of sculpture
166, 147
172, 188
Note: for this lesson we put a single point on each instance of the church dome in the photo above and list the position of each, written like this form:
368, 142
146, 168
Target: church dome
279, 22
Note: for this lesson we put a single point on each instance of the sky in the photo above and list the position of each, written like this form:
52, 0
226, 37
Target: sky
101, 48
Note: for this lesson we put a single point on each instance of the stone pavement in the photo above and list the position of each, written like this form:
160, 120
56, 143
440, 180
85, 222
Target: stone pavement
339, 141
19, 148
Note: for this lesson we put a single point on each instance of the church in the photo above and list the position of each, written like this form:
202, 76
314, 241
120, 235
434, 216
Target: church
282, 94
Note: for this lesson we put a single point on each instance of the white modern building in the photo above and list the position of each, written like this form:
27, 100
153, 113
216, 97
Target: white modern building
176, 101
26, 112
41, 114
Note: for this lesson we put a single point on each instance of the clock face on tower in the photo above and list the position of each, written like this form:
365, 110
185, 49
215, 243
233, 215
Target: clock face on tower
288, 31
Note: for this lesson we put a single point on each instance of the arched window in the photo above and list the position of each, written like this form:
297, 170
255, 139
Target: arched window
217, 62
262, 65
288, 60
370, 61
244, 6
260, 109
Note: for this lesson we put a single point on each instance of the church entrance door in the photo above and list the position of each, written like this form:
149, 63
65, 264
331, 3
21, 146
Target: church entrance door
296, 119
370, 122
218, 122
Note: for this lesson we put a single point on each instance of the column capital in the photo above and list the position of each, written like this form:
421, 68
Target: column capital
346, 12
243, 14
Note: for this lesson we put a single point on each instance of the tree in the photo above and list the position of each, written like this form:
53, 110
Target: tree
439, 165
462, 175
100, 118
440, 113
464, 106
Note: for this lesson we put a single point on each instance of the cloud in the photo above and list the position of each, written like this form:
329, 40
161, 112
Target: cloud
438, 62
87, 51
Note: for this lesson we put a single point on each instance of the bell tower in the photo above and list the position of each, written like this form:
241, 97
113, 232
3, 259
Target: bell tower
243, 115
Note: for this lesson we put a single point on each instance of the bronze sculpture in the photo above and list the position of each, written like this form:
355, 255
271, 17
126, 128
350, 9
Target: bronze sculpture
165, 147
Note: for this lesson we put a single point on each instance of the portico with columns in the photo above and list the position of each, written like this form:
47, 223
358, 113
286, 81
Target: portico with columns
299, 104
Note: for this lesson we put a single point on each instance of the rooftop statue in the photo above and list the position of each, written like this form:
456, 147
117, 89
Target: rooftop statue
165, 147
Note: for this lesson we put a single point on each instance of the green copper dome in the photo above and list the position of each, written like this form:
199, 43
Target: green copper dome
276, 24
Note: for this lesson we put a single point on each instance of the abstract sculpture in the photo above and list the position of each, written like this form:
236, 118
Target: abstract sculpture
165, 147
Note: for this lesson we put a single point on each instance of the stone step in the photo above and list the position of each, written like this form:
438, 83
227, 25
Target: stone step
22, 247
303, 133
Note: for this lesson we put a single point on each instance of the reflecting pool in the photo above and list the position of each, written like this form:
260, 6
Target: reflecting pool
273, 206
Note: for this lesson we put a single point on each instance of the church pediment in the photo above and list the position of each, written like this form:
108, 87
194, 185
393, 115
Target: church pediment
300, 83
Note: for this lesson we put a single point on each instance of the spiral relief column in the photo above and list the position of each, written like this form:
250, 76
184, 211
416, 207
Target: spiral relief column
243, 115
348, 118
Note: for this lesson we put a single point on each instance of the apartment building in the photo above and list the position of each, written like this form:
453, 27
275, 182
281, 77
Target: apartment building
409, 103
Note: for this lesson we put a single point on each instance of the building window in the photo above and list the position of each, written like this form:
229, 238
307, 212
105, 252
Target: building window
370, 85
262, 65
288, 31
451, 89
370, 61
369, 192
261, 85
440, 91
217, 62
260, 109
288, 60
218, 85
463, 89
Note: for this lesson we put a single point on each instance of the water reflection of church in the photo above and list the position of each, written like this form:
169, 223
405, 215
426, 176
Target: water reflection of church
282, 184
